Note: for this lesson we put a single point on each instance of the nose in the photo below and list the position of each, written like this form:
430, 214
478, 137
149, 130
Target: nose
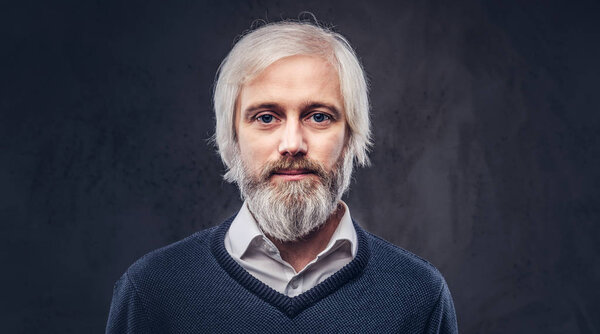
292, 140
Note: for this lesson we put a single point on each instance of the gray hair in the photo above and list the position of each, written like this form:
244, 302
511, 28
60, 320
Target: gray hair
255, 51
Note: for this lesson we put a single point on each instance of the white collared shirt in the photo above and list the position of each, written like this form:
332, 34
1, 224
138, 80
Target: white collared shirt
254, 252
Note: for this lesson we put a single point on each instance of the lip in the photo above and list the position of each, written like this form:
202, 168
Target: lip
292, 174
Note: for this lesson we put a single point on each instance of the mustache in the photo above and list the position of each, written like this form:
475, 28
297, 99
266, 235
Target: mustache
303, 162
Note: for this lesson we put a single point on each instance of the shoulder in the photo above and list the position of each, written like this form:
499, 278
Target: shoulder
174, 259
158, 282
410, 284
404, 267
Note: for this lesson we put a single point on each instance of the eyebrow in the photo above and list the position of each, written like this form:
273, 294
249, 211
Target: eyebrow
313, 105
260, 106
305, 107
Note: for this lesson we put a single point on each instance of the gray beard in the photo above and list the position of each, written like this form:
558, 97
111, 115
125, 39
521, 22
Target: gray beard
290, 210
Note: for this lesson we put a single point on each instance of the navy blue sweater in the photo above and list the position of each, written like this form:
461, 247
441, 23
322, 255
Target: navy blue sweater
194, 286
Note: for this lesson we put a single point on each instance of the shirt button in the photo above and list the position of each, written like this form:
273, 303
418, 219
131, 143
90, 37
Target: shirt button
294, 283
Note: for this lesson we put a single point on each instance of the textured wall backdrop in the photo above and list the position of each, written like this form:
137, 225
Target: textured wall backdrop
487, 148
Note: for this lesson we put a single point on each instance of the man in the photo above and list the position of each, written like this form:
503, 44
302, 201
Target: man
292, 117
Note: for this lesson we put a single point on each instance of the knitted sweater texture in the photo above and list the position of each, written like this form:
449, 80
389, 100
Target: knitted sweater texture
194, 286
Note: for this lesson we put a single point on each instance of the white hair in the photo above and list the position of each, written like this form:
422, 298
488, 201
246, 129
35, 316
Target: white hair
290, 211
255, 51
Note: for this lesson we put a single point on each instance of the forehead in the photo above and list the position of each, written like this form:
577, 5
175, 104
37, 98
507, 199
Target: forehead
294, 66
294, 80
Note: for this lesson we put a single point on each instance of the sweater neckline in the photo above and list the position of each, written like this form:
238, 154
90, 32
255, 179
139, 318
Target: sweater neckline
291, 306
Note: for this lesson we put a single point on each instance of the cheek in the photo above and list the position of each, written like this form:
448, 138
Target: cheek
329, 149
247, 153
337, 150
255, 150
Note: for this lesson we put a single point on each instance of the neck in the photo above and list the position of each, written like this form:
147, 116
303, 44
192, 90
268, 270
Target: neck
301, 252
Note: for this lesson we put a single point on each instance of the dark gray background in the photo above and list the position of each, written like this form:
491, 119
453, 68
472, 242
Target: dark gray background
486, 156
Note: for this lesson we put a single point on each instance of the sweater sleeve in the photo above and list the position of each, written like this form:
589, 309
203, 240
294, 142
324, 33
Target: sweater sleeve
127, 313
443, 317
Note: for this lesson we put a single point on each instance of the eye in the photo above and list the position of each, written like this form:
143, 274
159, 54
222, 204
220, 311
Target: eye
320, 117
265, 118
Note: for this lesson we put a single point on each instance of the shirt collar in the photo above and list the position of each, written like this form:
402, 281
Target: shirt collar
244, 230
344, 232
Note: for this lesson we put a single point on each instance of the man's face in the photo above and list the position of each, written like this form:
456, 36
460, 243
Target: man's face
291, 132
294, 108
